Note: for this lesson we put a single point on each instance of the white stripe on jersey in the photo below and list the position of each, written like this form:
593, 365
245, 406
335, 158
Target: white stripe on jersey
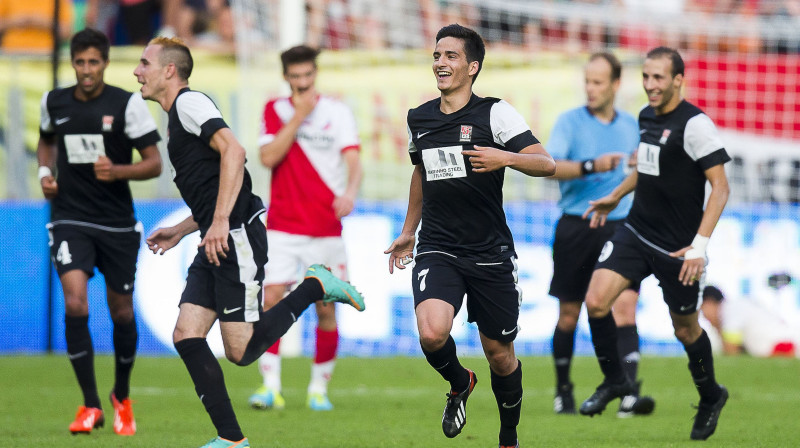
247, 273
506, 122
194, 109
138, 120
700, 137
46, 123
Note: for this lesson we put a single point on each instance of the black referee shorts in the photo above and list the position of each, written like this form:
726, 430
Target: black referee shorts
576, 248
493, 296
633, 259
84, 246
232, 289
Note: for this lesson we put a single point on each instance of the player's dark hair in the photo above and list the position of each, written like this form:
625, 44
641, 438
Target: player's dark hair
678, 66
712, 293
616, 66
298, 55
89, 38
174, 51
473, 43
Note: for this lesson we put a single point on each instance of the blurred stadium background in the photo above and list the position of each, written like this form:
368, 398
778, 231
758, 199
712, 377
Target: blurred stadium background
743, 69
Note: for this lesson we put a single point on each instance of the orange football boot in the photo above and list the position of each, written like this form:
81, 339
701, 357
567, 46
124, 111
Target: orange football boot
124, 423
86, 419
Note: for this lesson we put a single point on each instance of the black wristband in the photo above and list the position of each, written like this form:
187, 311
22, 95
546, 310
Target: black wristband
587, 167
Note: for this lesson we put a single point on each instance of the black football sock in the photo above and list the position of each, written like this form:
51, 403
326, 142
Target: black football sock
604, 339
445, 361
628, 348
125, 339
81, 355
209, 383
563, 347
701, 365
508, 394
276, 321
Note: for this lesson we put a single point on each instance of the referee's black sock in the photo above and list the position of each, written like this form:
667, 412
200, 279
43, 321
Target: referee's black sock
701, 365
81, 355
274, 322
628, 347
125, 339
445, 361
563, 347
604, 339
209, 383
508, 394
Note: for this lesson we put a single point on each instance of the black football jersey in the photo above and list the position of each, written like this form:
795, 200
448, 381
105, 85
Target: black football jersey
462, 211
193, 120
675, 149
112, 125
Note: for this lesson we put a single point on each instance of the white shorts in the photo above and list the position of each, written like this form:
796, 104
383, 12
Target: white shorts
290, 255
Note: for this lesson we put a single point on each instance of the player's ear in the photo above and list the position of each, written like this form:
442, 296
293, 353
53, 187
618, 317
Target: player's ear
473, 67
677, 81
171, 70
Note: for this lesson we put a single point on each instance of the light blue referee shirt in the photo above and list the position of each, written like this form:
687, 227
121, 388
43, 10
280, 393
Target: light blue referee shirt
579, 136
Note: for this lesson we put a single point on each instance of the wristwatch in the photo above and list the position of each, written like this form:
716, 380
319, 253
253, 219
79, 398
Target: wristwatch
587, 166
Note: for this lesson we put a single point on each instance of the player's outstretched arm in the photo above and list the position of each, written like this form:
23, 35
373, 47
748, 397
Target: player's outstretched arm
695, 254
46, 153
401, 252
164, 239
571, 169
600, 208
532, 160
147, 168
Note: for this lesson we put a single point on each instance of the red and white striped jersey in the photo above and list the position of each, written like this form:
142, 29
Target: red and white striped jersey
313, 173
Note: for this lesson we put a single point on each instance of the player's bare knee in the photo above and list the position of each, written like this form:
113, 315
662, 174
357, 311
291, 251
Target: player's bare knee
431, 339
597, 306
234, 354
502, 362
567, 322
75, 304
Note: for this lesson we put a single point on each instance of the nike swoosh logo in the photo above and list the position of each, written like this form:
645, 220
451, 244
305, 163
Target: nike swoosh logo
687, 307
506, 333
421, 134
232, 310
77, 355
513, 405
642, 131
125, 360
62, 120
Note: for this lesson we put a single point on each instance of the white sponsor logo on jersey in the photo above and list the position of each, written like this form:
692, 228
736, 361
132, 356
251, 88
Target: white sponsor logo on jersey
444, 163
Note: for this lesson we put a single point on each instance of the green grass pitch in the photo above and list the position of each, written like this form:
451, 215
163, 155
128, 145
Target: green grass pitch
397, 402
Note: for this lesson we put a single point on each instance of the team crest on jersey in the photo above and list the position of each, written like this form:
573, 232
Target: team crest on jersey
108, 123
664, 136
466, 133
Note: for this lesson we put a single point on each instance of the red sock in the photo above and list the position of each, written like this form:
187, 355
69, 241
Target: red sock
274, 348
327, 343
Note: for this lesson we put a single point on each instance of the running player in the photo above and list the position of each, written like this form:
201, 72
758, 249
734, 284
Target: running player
310, 142
225, 279
87, 135
460, 145
665, 234
588, 144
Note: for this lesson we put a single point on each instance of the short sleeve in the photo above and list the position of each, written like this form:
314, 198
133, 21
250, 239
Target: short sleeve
270, 124
506, 122
413, 151
199, 115
46, 123
138, 121
701, 137
347, 130
559, 143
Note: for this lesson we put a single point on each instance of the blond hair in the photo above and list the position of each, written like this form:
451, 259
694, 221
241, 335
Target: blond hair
174, 51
